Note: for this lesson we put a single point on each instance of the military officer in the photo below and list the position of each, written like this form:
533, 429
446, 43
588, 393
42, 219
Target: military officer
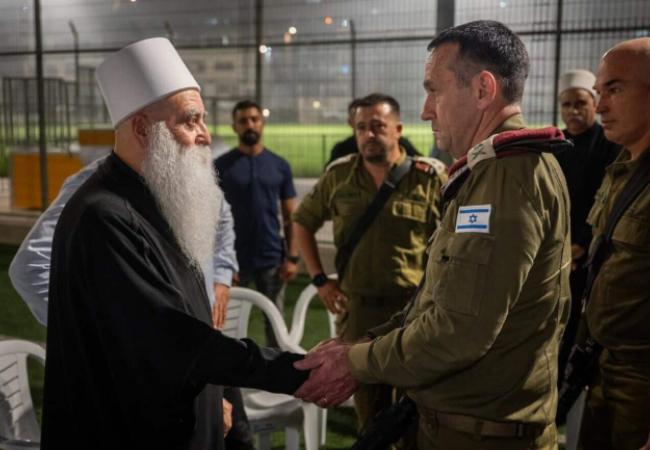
388, 262
618, 310
477, 349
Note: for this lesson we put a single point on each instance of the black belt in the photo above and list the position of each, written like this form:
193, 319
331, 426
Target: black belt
479, 427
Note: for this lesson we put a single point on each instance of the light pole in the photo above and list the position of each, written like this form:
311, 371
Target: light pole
40, 89
353, 58
77, 97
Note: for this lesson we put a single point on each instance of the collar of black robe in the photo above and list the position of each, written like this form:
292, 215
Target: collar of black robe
585, 135
131, 186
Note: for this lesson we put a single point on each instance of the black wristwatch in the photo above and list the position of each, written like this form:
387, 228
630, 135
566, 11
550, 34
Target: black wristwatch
293, 259
319, 279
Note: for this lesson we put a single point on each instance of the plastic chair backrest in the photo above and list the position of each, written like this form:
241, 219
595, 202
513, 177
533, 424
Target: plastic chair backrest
237, 318
17, 416
300, 313
239, 309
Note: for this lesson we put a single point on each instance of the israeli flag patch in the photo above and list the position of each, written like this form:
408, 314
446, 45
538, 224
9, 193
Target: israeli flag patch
473, 219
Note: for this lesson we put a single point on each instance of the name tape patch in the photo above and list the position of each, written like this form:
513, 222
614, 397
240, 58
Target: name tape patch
473, 219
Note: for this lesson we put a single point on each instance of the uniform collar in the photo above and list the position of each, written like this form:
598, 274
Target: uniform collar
514, 122
623, 164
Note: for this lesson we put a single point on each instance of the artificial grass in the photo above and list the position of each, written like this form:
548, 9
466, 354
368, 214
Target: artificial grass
17, 321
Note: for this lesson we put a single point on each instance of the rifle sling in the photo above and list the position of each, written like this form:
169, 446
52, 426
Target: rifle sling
370, 214
640, 178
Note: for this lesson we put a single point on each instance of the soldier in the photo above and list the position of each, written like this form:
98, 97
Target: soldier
618, 310
583, 166
477, 349
384, 268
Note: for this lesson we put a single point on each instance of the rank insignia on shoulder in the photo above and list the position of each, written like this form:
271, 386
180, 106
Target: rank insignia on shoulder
473, 219
429, 165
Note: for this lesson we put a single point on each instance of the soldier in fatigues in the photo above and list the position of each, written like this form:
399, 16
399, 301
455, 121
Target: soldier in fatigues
477, 349
618, 310
388, 261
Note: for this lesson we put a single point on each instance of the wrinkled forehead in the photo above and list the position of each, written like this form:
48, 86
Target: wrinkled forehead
381, 111
178, 106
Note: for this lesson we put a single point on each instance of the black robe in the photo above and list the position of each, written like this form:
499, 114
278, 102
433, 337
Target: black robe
132, 359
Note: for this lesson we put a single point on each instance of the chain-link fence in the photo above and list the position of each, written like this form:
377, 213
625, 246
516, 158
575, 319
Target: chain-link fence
303, 60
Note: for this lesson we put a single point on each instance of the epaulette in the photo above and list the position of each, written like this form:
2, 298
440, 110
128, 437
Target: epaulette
508, 143
339, 161
524, 139
429, 165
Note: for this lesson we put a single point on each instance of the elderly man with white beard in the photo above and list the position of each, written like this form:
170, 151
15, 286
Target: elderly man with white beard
132, 358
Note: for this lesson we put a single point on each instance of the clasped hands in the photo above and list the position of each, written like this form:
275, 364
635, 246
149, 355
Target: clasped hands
330, 382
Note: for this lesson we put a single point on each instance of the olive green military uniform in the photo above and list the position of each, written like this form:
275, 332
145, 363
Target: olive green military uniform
618, 316
481, 339
388, 262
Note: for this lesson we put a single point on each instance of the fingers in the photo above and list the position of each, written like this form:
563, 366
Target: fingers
309, 362
324, 344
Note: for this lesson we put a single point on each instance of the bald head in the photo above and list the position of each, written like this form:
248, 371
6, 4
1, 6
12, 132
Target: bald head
635, 53
623, 82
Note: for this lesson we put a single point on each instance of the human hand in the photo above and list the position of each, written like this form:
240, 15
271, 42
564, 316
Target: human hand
227, 416
288, 270
221, 299
330, 382
335, 300
577, 253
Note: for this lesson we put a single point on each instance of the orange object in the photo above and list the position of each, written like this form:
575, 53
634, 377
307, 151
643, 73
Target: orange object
26, 177
101, 137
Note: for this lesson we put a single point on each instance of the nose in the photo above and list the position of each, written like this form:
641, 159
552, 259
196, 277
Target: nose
428, 110
203, 136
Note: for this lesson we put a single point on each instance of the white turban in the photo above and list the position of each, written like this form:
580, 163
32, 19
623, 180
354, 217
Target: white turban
141, 74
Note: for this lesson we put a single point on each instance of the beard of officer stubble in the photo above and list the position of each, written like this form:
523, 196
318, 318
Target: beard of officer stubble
375, 152
183, 182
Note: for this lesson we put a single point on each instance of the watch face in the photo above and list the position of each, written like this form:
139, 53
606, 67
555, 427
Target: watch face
319, 280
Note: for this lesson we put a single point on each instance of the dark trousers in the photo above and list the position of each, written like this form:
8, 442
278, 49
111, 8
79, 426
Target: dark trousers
617, 416
239, 437
577, 281
269, 283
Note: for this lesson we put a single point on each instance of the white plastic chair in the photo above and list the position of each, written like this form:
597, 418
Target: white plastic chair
267, 411
19, 428
299, 318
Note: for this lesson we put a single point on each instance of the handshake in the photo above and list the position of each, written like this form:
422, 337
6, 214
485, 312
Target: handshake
330, 382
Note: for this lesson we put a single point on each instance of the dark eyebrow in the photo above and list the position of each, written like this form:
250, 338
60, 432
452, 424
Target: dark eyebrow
428, 85
611, 82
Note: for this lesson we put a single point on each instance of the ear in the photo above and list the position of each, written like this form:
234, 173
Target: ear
485, 87
140, 128
399, 127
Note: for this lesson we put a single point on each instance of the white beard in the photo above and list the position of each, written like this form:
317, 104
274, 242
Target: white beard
183, 183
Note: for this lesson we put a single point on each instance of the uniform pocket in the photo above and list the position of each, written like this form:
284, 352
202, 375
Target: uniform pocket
410, 209
632, 231
597, 208
349, 208
462, 273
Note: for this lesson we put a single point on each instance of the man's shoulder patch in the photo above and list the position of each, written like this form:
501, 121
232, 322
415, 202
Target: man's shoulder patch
429, 165
473, 219
340, 161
